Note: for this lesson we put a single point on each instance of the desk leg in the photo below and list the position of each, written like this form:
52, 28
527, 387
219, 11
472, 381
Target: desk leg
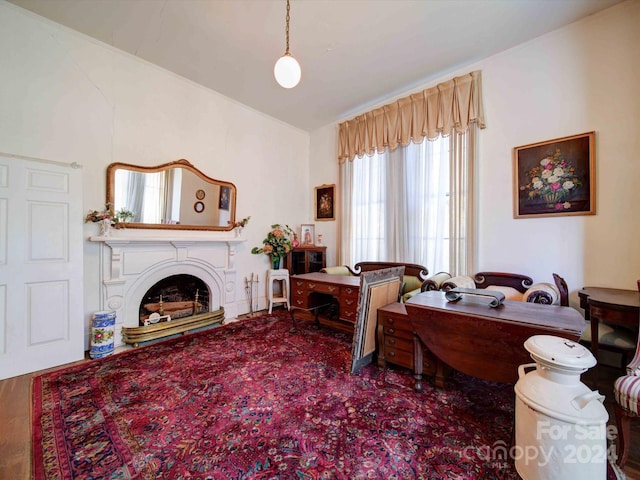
292, 312
382, 361
594, 347
441, 373
594, 337
417, 363
315, 310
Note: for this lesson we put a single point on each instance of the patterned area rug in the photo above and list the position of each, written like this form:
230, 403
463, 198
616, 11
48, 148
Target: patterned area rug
252, 400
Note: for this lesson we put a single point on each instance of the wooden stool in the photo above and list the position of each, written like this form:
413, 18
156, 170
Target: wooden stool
281, 275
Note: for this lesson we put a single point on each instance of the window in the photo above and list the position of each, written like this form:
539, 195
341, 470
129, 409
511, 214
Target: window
403, 205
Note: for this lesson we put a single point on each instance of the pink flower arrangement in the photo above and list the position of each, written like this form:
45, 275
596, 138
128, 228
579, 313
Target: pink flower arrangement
554, 180
277, 243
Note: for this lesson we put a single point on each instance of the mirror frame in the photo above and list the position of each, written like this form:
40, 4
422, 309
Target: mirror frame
182, 163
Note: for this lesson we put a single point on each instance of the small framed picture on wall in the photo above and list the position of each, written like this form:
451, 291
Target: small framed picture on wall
325, 202
223, 202
307, 233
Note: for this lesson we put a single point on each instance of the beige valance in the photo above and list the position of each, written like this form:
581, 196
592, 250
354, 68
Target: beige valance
436, 111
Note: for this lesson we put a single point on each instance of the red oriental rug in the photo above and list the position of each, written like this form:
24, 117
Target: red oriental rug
252, 400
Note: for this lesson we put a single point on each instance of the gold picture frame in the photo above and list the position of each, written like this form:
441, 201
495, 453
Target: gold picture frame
324, 202
555, 177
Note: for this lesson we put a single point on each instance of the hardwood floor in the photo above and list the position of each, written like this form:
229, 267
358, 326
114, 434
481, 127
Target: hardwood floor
15, 425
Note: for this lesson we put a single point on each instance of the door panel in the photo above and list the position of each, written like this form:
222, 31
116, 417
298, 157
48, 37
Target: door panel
42, 322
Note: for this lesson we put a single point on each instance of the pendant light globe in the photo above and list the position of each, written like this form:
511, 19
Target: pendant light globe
287, 71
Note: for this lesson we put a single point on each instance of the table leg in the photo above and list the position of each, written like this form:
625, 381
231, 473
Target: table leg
440, 374
315, 310
594, 346
382, 362
417, 363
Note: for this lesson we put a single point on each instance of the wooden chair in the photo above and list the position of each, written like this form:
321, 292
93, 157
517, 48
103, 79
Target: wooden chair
626, 391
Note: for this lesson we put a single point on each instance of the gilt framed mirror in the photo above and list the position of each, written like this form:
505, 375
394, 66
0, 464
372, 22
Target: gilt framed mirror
174, 195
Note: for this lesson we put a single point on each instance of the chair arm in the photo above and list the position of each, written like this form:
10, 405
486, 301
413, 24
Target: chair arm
338, 270
544, 293
434, 282
463, 281
634, 365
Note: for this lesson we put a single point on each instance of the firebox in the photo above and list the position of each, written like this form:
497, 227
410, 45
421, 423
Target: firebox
176, 296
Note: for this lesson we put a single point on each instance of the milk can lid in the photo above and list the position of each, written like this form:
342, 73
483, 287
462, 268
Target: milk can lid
560, 352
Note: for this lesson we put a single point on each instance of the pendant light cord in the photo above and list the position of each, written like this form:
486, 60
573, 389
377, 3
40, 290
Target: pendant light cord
286, 52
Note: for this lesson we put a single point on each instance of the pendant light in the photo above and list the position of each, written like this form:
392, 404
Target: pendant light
287, 69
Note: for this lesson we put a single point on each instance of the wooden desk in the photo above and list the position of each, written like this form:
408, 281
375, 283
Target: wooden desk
398, 344
311, 290
487, 342
609, 305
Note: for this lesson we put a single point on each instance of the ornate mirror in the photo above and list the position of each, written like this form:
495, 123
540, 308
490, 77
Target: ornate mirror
175, 195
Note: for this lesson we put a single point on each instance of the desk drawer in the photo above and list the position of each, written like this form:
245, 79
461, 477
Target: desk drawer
299, 298
298, 283
349, 303
395, 322
348, 314
399, 343
399, 357
349, 292
323, 288
397, 333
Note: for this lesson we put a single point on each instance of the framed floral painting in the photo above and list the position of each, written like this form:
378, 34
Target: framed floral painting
555, 177
324, 202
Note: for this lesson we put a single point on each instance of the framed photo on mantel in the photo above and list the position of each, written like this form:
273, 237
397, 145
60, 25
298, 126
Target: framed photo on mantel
324, 200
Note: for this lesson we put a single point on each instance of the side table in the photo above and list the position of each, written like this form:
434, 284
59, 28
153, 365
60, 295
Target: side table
281, 275
609, 305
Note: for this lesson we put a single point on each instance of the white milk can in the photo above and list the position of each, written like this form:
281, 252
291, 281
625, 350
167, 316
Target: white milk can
560, 423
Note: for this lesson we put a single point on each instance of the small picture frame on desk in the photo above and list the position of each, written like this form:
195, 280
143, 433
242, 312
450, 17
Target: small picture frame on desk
307, 234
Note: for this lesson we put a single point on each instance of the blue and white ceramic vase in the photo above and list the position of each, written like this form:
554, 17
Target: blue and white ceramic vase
102, 333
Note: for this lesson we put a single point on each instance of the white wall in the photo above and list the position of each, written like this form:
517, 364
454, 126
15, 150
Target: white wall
580, 78
323, 170
69, 98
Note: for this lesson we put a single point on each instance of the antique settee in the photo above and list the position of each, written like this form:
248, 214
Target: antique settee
514, 286
415, 278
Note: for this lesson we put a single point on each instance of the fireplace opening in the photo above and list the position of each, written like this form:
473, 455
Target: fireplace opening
174, 297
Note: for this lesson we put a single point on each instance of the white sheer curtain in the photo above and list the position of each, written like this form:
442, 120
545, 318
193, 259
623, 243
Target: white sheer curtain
398, 206
153, 199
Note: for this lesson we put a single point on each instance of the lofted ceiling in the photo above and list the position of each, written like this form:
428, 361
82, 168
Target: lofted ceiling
353, 53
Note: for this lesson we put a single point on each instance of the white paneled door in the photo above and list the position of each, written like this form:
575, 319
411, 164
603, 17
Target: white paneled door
41, 313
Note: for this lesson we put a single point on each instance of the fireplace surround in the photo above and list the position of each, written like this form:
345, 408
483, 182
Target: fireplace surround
131, 262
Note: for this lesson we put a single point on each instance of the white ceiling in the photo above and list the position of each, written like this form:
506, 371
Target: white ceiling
353, 53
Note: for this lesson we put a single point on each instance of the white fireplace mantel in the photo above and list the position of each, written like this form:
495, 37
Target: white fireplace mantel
131, 262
